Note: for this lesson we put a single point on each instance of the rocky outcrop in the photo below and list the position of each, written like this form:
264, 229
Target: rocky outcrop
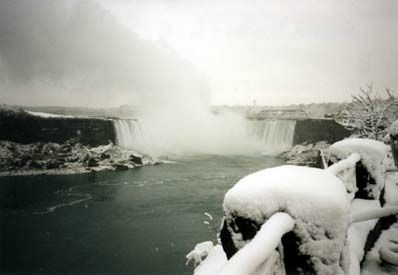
306, 154
68, 158
19, 126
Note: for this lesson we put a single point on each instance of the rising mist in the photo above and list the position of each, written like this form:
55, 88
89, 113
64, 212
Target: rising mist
75, 53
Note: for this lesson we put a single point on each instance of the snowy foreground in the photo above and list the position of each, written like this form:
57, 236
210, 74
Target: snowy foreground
303, 220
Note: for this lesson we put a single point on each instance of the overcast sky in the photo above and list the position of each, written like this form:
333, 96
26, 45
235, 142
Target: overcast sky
276, 52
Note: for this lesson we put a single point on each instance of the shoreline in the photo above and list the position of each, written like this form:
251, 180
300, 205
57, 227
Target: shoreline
69, 158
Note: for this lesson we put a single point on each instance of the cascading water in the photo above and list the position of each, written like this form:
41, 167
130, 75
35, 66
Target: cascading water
129, 134
269, 136
276, 135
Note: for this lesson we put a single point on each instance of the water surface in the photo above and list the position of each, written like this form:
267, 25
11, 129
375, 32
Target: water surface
139, 222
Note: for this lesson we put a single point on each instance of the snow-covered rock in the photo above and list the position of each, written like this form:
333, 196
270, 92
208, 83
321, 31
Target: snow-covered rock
374, 157
70, 157
306, 154
316, 199
200, 252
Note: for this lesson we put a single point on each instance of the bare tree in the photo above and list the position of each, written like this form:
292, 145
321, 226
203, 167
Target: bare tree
369, 114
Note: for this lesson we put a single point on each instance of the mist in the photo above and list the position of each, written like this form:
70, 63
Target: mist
74, 53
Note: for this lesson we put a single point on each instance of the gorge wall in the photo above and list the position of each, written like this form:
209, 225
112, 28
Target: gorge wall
314, 130
22, 127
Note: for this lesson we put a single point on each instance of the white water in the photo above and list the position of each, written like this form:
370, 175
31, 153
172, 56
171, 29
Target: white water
276, 135
129, 134
220, 135
202, 133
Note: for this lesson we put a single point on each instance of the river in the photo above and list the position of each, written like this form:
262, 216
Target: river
139, 222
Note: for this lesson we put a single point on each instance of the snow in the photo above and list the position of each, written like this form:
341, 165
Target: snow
373, 263
358, 232
393, 130
345, 171
213, 263
48, 115
391, 189
375, 214
315, 198
200, 251
298, 190
373, 156
248, 259
344, 164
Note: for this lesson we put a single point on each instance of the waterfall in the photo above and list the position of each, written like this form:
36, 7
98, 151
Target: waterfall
129, 134
270, 136
276, 135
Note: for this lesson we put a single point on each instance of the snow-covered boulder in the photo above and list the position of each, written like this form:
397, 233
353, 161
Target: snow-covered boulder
305, 154
316, 199
370, 171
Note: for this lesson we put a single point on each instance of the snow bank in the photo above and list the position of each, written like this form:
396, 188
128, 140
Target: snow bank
48, 115
251, 257
373, 156
315, 198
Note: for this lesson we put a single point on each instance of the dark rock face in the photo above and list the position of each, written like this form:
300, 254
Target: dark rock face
314, 130
121, 167
136, 159
21, 127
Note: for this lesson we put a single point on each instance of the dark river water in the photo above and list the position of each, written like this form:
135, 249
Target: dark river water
141, 221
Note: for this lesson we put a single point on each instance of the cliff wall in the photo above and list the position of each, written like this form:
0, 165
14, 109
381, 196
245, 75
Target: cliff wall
22, 127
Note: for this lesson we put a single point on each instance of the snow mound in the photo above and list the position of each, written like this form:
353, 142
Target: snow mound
294, 189
316, 199
373, 156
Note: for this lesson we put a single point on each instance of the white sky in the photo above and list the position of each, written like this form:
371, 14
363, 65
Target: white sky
277, 52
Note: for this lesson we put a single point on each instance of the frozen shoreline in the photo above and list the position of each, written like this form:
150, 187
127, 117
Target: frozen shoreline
65, 159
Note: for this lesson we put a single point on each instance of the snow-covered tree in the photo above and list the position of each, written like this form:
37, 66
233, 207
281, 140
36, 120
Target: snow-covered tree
370, 114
